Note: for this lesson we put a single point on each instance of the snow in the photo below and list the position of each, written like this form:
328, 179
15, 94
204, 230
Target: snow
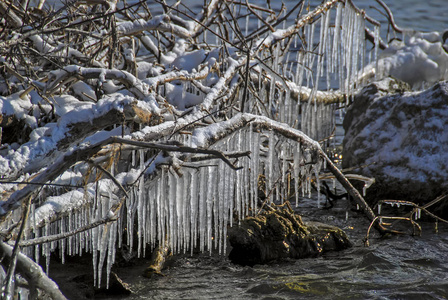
104, 135
190, 60
46, 138
420, 59
53, 206
15, 106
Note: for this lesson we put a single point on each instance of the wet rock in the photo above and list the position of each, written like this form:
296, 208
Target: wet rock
280, 234
401, 139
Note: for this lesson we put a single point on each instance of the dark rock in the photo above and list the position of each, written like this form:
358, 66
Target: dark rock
401, 139
281, 234
117, 288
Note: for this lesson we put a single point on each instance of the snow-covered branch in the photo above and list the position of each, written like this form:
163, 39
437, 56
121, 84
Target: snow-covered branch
159, 23
32, 272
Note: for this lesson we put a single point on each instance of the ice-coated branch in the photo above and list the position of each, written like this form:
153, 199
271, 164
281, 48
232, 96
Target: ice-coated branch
32, 272
179, 75
303, 93
58, 167
281, 34
57, 237
168, 127
59, 77
204, 137
160, 23
174, 148
205, 17
84, 152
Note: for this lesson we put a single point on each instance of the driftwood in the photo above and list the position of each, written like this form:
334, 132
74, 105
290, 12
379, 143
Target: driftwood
158, 258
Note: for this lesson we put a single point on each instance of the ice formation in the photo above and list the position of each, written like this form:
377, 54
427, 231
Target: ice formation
174, 197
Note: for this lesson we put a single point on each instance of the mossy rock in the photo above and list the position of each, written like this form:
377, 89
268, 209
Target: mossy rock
281, 234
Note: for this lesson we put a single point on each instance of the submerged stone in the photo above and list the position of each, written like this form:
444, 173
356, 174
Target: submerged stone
401, 139
280, 234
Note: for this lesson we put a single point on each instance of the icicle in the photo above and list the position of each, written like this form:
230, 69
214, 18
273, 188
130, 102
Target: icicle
102, 248
316, 169
186, 211
246, 183
238, 175
311, 56
364, 190
211, 196
129, 218
228, 205
141, 224
151, 212
202, 208
172, 211
270, 163
319, 68
336, 37
255, 164
362, 45
163, 207
327, 49
193, 210
62, 245
272, 109
70, 239
308, 183
376, 34
180, 199
110, 251
284, 171
220, 205
348, 48
230, 201
47, 248
95, 244
341, 55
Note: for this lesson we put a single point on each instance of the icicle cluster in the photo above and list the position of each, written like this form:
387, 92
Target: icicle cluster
190, 208
330, 55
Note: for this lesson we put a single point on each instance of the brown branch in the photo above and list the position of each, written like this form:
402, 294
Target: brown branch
390, 17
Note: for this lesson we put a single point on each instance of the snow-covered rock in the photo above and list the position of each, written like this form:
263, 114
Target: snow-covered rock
401, 139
